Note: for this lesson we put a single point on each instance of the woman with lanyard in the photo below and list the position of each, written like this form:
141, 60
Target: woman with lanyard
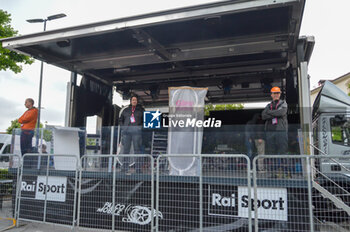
130, 122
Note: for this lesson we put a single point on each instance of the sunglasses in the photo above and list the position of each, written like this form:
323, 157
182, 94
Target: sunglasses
276, 93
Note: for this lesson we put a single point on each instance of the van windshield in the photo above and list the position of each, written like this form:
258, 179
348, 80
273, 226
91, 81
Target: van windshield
1, 144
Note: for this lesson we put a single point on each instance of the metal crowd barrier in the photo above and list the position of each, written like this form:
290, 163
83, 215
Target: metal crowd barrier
199, 192
183, 192
309, 193
119, 195
48, 189
9, 173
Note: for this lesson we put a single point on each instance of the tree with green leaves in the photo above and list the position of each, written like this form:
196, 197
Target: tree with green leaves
10, 60
211, 107
47, 136
14, 124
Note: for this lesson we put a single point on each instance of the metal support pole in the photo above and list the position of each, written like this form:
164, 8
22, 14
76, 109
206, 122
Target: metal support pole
68, 122
256, 222
200, 194
18, 184
249, 184
113, 192
152, 194
309, 190
79, 190
157, 191
305, 107
111, 150
78, 166
47, 182
41, 84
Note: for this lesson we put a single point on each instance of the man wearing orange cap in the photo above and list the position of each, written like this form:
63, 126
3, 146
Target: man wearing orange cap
276, 124
28, 122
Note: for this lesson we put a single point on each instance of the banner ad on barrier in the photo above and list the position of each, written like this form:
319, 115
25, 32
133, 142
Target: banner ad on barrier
58, 192
179, 203
272, 203
132, 205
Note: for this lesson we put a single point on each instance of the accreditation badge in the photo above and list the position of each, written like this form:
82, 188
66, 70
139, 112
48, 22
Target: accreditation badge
132, 119
274, 121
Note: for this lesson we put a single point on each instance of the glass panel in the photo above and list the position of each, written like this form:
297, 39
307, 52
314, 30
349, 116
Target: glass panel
7, 149
340, 128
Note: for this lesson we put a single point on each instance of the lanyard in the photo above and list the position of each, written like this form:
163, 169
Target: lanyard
276, 105
133, 108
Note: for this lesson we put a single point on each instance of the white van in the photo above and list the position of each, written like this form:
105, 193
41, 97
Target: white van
5, 143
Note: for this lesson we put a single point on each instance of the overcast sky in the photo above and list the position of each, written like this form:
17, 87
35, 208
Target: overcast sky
328, 21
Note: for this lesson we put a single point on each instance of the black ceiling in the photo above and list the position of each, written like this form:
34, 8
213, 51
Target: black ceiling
208, 45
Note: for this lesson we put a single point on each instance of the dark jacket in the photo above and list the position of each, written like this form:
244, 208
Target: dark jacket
280, 112
124, 119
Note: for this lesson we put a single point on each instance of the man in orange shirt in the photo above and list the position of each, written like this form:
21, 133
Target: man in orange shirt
28, 122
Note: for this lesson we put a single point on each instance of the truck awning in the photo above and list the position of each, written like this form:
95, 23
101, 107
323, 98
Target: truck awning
233, 47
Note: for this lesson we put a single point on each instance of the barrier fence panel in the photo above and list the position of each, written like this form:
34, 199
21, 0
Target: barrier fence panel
9, 172
282, 189
121, 198
331, 192
203, 193
48, 188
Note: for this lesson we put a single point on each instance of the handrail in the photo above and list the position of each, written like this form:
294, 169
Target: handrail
340, 164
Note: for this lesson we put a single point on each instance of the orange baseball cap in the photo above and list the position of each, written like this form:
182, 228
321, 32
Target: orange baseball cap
275, 90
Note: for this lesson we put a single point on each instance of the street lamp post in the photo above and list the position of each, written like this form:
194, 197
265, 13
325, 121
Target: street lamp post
49, 18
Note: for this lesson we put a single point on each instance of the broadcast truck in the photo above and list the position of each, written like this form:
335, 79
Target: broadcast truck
237, 49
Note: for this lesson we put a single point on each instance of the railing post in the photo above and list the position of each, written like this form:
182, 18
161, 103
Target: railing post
113, 192
47, 182
309, 189
256, 222
249, 194
157, 192
200, 194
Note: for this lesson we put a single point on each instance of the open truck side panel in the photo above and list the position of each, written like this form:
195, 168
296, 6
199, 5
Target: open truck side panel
243, 46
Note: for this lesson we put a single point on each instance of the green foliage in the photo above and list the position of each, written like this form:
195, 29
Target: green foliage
10, 60
4, 174
14, 124
47, 136
211, 107
90, 141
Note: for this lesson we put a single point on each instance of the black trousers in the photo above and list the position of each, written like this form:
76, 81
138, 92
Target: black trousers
26, 147
26, 141
276, 142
